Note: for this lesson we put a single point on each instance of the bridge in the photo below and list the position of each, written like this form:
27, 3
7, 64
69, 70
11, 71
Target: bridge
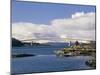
65, 39
34, 40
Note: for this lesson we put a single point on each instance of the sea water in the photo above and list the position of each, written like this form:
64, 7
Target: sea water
45, 60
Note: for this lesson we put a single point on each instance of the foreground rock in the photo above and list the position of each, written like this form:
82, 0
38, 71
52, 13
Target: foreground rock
21, 55
91, 63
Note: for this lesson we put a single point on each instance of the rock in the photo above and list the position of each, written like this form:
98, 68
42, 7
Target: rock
21, 55
91, 63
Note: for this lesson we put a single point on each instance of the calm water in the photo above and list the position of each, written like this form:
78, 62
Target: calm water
39, 50
45, 60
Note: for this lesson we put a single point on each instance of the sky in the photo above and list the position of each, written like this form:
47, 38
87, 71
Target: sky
43, 20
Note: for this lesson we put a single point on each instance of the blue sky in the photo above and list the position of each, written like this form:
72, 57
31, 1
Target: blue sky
57, 21
44, 13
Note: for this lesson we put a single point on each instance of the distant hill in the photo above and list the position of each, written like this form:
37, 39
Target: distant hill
16, 42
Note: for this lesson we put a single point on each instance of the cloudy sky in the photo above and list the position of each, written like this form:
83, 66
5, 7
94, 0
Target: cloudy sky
55, 21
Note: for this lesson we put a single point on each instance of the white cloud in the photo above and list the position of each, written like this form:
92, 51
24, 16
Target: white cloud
78, 14
81, 26
23, 31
